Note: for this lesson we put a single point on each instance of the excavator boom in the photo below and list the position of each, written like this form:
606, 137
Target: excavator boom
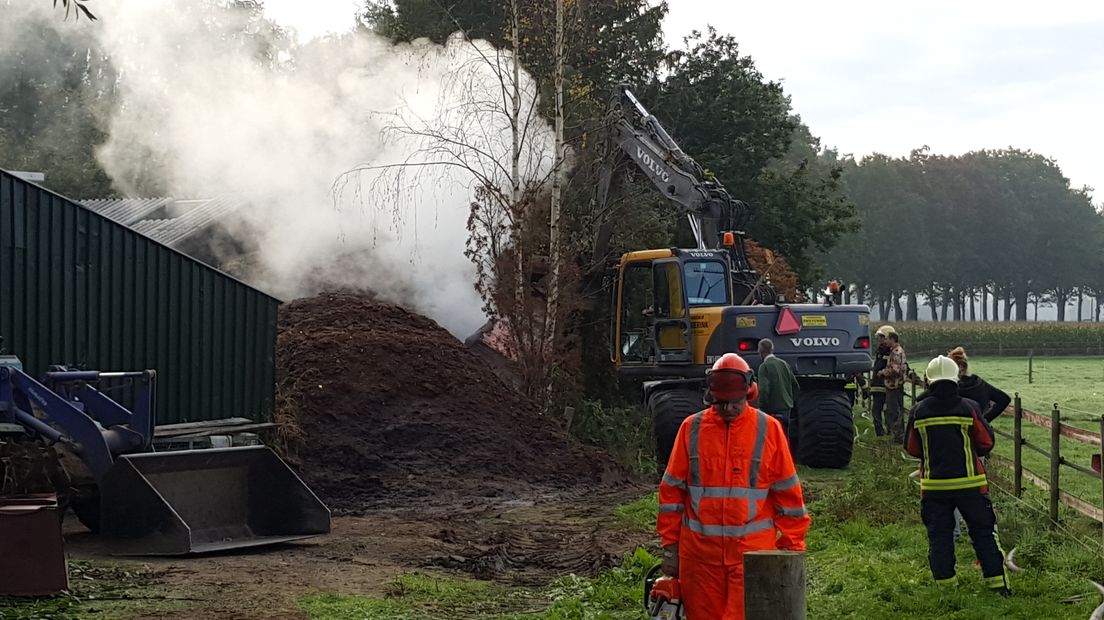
636, 135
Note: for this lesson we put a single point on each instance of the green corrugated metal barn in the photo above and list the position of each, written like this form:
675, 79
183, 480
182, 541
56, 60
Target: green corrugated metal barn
79, 289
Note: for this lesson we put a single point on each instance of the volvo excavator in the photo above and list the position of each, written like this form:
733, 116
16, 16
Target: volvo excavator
675, 311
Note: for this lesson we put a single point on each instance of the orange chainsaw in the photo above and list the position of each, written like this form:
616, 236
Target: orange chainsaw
662, 596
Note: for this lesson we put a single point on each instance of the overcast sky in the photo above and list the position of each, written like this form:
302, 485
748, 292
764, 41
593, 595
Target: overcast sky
892, 76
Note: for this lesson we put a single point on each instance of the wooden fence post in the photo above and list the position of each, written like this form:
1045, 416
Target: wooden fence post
774, 585
1055, 460
1102, 461
1017, 447
1031, 367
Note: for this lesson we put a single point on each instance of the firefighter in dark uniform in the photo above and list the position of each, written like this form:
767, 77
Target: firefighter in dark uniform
877, 383
852, 389
949, 436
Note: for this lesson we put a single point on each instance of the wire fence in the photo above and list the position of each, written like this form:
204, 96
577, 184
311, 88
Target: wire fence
1001, 349
1051, 483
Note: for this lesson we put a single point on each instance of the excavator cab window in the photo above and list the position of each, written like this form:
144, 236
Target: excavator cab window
653, 316
672, 313
707, 283
637, 313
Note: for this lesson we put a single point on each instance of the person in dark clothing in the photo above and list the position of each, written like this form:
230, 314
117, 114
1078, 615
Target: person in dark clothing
877, 383
853, 386
952, 475
992, 401
778, 387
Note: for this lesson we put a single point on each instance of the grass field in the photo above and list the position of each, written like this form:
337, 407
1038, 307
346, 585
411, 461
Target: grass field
1075, 383
867, 550
867, 558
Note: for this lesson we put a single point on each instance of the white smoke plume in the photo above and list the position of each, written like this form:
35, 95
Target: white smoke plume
205, 110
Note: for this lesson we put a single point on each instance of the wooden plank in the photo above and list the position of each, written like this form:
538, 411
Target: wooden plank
1026, 444
220, 430
175, 429
1089, 510
1072, 432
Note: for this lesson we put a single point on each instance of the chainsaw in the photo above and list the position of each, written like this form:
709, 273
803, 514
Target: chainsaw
662, 596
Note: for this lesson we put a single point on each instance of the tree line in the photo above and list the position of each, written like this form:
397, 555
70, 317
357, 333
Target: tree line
980, 236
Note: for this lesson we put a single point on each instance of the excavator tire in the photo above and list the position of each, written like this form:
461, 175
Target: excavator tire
824, 436
668, 408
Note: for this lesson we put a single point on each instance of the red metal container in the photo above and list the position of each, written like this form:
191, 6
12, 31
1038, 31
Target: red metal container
32, 550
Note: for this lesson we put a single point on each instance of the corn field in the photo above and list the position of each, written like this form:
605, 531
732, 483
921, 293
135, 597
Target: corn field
1012, 338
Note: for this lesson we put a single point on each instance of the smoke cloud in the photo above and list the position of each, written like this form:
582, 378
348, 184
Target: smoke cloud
215, 101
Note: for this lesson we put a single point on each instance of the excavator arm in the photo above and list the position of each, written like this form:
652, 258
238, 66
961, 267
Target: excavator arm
637, 136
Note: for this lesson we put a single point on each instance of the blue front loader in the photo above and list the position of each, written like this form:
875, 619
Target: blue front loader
157, 503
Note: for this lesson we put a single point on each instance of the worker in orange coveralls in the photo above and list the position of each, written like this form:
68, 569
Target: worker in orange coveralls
730, 487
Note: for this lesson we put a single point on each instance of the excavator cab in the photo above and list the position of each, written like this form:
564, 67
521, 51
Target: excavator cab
658, 296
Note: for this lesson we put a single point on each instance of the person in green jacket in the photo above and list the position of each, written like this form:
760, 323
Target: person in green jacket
777, 384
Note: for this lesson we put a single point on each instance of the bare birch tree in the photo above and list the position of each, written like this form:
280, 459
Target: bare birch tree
554, 241
486, 135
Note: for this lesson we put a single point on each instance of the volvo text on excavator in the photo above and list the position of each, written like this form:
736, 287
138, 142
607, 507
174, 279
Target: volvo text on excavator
678, 310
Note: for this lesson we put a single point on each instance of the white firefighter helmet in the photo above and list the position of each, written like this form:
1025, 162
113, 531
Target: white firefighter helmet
942, 368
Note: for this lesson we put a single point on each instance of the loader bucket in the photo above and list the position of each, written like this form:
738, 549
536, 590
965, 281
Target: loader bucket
198, 501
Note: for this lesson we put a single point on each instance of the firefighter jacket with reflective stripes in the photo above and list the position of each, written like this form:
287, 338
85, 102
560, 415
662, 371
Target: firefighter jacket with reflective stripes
731, 488
881, 360
949, 436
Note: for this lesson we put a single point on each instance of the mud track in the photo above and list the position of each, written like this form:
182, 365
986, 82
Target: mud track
523, 542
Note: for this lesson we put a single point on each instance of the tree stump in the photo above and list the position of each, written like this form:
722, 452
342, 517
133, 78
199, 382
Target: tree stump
774, 585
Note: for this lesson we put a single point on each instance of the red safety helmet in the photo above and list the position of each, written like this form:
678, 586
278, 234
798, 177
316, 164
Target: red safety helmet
730, 379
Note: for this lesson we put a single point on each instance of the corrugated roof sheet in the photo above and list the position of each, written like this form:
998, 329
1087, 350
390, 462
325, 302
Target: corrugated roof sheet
167, 220
126, 210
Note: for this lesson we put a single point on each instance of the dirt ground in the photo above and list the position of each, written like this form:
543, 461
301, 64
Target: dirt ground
526, 541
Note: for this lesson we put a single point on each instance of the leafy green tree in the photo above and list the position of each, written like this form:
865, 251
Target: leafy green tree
406, 20
740, 126
884, 258
608, 42
58, 86
956, 228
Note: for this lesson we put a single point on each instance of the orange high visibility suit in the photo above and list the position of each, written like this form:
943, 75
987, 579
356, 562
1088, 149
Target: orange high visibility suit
728, 488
